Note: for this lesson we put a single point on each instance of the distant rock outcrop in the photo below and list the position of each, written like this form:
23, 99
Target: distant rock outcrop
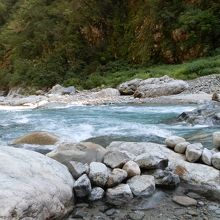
153, 87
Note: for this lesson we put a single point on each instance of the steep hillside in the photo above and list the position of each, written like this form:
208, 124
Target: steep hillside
43, 42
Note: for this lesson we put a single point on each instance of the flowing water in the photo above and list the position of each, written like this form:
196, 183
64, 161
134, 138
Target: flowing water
103, 124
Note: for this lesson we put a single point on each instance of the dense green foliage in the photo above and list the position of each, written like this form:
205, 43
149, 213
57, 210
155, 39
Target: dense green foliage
91, 43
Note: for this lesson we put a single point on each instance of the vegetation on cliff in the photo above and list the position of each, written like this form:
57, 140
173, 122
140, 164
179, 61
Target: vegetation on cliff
91, 43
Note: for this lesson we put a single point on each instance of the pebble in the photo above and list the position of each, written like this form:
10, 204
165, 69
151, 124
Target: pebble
184, 200
110, 212
193, 213
136, 215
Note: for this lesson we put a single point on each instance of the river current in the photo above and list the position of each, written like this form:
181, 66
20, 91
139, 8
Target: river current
103, 124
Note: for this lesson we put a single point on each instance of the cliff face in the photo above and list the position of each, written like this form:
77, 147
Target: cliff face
43, 42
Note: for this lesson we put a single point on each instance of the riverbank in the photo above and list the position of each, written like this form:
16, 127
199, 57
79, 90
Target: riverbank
195, 92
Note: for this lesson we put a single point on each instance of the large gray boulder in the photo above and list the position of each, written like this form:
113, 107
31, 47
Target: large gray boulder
33, 186
199, 176
143, 185
37, 138
163, 86
98, 173
84, 152
129, 87
194, 152
119, 195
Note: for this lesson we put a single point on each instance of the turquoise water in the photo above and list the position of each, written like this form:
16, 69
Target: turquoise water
103, 124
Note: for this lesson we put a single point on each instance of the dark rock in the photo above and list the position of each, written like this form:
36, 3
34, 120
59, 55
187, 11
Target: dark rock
166, 179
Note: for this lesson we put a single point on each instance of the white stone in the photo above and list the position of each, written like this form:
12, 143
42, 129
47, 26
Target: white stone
33, 186
98, 173
143, 185
97, 193
132, 168
207, 156
181, 147
172, 141
194, 152
116, 177
216, 160
116, 159
119, 195
216, 139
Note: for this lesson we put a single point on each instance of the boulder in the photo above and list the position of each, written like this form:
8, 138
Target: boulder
181, 147
166, 179
198, 176
129, 87
33, 186
39, 92
143, 185
82, 186
97, 193
56, 90
116, 159
119, 195
194, 152
132, 168
216, 140
184, 201
117, 176
163, 86
37, 138
172, 141
68, 90
150, 161
207, 156
98, 173
216, 160
77, 169
215, 97
207, 113
84, 152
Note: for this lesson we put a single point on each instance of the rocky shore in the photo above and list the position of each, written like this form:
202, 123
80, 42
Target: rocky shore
125, 180
162, 90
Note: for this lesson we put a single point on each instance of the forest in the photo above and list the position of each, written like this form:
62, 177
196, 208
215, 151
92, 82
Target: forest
95, 43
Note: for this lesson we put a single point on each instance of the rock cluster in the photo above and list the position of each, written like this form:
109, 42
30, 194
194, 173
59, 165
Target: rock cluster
208, 113
153, 87
195, 152
121, 176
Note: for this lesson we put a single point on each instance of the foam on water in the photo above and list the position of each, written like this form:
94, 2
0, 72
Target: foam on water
78, 123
